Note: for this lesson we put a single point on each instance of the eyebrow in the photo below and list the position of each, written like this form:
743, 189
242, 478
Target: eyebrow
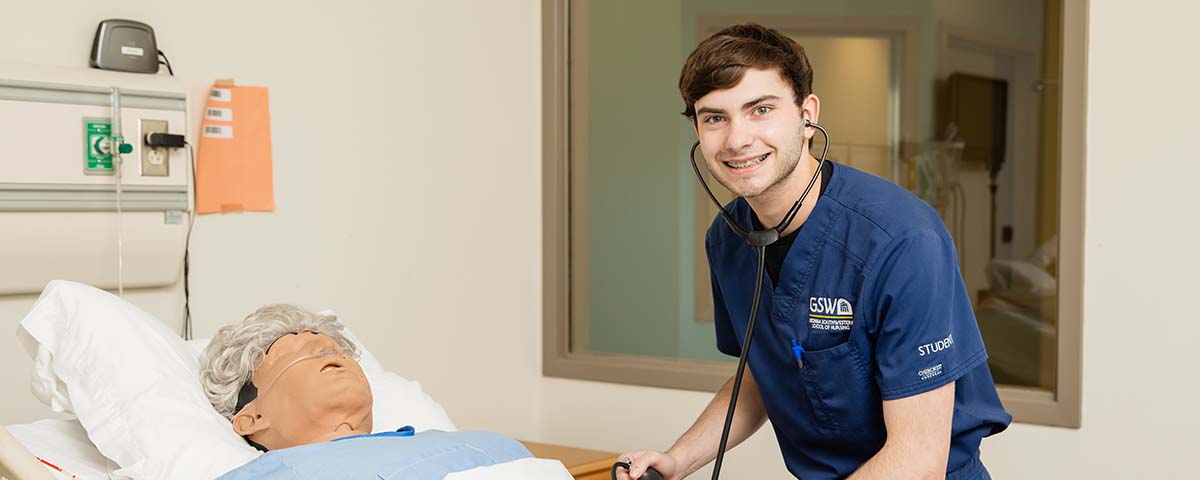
272, 345
745, 106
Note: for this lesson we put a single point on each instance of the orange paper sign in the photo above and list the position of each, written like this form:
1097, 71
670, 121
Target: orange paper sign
233, 164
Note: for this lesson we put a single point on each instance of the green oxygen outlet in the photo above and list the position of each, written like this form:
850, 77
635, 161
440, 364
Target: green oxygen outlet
97, 146
97, 151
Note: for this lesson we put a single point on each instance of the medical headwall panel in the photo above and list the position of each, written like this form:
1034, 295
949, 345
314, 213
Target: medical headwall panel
59, 189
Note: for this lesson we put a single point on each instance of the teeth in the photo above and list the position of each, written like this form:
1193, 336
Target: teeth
327, 368
747, 163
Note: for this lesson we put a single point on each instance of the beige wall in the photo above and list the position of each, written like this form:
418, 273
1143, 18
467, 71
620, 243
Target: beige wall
460, 310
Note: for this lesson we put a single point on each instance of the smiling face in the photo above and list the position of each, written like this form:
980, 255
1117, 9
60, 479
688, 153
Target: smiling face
309, 391
752, 135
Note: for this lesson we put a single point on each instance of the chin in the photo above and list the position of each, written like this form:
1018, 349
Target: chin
748, 191
746, 187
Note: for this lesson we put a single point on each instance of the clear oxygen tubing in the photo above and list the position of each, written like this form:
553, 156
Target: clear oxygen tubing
118, 165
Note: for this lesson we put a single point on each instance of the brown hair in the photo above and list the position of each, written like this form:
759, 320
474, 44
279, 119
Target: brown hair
720, 61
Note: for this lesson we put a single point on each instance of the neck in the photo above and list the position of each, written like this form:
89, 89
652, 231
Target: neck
347, 430
772, 205
274, 440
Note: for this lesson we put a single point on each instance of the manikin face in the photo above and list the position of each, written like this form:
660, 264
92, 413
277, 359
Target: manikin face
752, 135
306, 394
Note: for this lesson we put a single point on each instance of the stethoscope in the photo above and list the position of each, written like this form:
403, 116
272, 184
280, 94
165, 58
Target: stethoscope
759, 239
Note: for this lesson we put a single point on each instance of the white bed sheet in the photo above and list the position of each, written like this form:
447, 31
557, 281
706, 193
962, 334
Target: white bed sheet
522, 469
65, 444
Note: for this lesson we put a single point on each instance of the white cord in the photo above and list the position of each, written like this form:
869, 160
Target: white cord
118, 164
120, 234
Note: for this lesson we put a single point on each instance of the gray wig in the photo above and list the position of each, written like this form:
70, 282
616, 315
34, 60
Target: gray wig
236, 351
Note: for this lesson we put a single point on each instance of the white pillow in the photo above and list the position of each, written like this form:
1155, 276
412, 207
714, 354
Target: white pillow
134, 386
1020, 279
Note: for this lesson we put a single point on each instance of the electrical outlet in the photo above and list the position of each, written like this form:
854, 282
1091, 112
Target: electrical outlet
155, 160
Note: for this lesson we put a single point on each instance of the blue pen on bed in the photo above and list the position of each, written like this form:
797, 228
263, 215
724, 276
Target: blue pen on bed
798, 351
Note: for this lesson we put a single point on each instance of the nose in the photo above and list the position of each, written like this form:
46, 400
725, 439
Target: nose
740, 136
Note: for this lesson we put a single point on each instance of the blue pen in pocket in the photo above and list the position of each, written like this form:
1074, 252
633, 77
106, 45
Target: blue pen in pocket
798, 351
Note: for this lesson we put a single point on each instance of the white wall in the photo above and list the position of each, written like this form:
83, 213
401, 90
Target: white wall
1141, 332
451, 295
407, 174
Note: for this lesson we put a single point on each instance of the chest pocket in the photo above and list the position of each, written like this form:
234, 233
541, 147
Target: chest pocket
837, 374
838, 386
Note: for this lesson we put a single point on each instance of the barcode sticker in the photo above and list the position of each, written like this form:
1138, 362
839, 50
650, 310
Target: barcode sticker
132, 51
213, 113
221, 95
218, 131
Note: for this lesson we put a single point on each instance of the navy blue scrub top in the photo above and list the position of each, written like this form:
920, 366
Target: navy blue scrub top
872, 291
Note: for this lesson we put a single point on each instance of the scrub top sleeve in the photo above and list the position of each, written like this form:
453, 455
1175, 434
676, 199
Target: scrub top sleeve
727, 341
926, 331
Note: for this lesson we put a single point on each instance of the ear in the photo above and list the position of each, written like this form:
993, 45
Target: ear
250, 421
811, 109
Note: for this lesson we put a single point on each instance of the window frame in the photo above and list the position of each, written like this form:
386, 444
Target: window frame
1060, 408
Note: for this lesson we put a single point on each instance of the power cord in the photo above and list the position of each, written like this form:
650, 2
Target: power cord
166, 62
173, 141
187, 245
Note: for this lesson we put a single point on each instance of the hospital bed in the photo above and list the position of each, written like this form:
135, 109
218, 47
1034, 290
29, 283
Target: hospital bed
1017, 317
140, 412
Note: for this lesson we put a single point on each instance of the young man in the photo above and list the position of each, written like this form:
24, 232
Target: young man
893, 379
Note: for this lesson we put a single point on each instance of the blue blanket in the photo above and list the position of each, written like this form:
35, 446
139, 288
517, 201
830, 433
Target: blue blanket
384, 456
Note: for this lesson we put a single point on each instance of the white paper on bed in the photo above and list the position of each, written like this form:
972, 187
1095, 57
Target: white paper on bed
523, 469
65, 444
134, 385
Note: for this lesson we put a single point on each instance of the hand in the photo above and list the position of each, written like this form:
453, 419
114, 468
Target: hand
641, 460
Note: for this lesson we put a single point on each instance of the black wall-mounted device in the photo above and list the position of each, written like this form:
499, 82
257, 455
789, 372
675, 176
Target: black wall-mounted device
124, 45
